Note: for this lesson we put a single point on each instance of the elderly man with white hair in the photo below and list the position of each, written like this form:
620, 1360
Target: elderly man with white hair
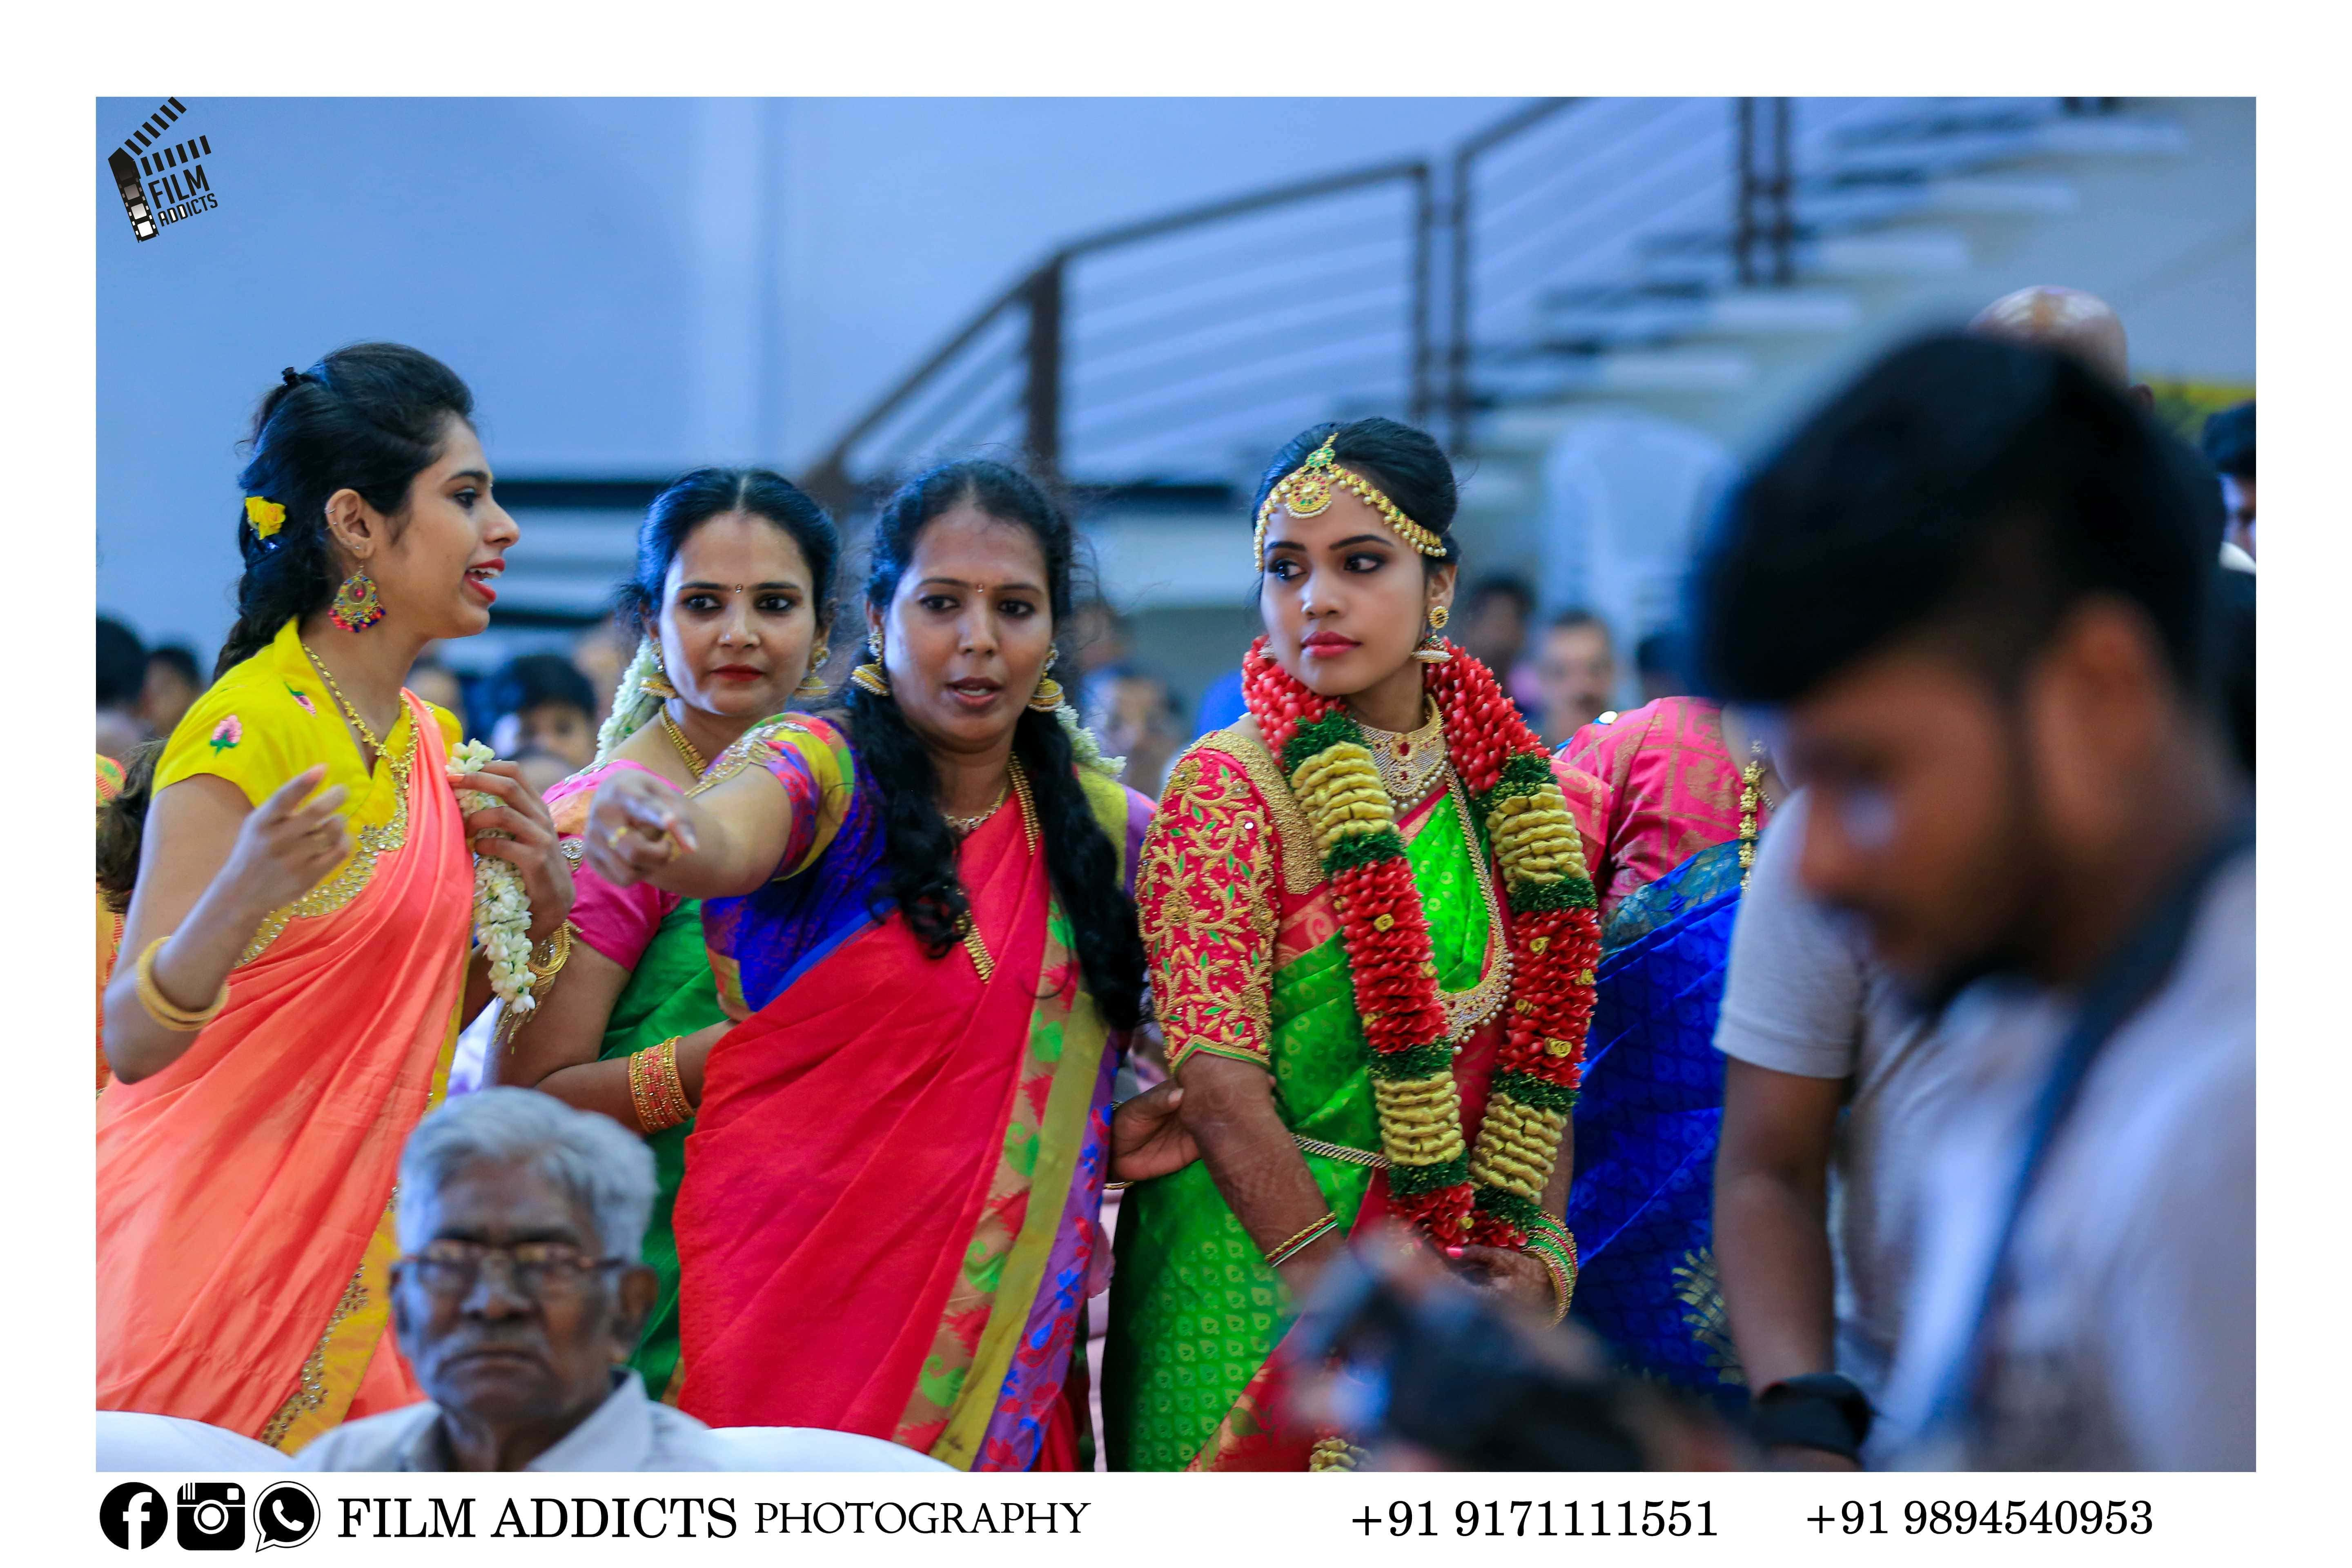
517, 1295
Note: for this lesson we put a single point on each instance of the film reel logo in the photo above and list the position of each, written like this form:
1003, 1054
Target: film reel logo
159, 172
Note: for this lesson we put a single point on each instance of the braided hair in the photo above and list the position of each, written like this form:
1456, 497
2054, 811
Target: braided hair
920, 850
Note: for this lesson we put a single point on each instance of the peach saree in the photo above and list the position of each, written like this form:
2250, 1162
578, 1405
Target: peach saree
244, 1192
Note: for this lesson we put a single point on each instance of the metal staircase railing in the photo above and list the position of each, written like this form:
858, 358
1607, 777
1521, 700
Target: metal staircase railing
1130, 352
1177, 349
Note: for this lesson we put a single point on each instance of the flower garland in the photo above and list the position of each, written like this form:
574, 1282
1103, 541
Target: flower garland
501, 907
1491, 1195
1085, 748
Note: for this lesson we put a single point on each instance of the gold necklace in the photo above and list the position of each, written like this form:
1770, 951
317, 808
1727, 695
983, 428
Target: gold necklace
366, 734
1408, 763
961, 827
694, 763
1465, 1010
967, 928
1752, 795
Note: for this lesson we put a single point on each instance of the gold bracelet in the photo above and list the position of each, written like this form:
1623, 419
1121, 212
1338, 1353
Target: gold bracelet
162, 1008
656, 1089
1560, 1266
558, 948
1303, 1240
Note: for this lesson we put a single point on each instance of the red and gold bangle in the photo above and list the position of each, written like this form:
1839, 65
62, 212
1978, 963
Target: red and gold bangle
656, 1089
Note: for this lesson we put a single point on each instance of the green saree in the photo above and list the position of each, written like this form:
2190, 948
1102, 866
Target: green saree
669, 992
1247, 963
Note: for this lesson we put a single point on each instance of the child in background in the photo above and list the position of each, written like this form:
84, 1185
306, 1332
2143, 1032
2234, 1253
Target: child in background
540, 703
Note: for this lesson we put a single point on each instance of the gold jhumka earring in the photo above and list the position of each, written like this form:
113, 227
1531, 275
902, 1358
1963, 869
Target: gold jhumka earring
1048, 695
870, 677
812, 685
1432, 649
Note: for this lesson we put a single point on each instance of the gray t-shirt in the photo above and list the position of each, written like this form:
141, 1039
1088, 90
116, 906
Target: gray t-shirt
2128, 1342
1804, 996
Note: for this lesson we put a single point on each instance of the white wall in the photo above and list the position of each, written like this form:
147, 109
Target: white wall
631, 287
636, 286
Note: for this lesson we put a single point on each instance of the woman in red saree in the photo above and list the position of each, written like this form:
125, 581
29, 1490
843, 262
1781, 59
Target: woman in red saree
919, 909
295, 964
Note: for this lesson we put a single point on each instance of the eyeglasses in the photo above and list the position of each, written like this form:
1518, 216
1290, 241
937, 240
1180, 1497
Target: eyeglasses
539, 1269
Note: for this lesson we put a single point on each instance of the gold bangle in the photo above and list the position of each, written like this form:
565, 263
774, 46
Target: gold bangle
1303, 1240
162, 1008
656, 1089
673, 1085
1560, 1266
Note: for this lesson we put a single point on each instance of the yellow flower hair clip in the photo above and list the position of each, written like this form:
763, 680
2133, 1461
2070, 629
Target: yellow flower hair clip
266, 516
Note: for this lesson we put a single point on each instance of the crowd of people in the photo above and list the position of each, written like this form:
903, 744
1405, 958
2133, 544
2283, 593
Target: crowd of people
1842, 1058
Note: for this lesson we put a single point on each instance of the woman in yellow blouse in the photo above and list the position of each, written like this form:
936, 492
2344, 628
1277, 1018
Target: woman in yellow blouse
295, 962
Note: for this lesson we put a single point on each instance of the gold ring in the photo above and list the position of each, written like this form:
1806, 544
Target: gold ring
612, 840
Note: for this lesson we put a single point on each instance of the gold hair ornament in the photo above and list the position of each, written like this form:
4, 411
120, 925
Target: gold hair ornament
1306, 489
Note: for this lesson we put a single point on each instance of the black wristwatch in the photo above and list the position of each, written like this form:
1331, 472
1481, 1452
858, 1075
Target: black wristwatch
1820, 1410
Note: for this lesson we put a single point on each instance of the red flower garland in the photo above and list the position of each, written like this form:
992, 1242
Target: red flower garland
1555, 943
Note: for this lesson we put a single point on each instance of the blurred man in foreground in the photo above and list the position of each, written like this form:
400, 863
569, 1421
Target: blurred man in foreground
518, 1297
1576, 670
1978, 585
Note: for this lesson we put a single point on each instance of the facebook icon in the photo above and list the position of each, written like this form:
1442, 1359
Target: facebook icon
133, 1516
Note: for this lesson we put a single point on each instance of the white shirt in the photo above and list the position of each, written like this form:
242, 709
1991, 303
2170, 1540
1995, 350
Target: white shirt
627, 1432
2127, 1339
1804, 996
